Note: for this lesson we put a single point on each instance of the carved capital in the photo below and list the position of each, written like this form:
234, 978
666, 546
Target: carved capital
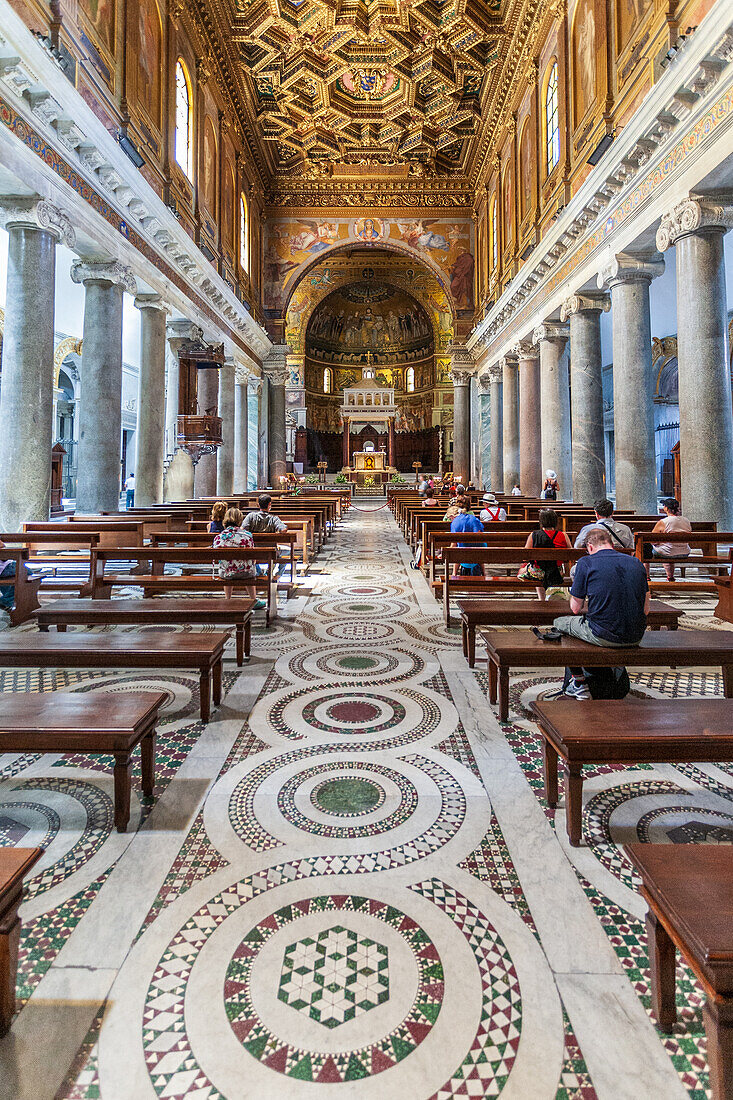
109, 271
183, 331
462, 364
692, 215
255, 384
508, 362
460, 377
275, 364
628, 268
579, 303
33, 212
550, 330
526, 349
151, 301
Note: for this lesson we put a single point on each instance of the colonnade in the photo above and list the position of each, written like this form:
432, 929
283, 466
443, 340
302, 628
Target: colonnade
35, 226
547, 406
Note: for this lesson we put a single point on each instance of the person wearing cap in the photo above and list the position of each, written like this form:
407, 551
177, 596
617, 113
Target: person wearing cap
492, 511
550, 488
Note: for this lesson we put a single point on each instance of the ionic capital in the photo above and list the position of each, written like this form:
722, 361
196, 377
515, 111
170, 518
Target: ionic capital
109, 271
584, 303
692, 215
627, 268
550, 330
183, 331
526, 349
33, 212
151, 301
243, 375
508, 362
275, 364
484, 382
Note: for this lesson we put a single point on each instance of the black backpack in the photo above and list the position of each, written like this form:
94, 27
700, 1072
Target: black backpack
603, 683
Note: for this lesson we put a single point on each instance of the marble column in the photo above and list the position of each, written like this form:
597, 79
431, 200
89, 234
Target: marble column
150, 432
179, 332
225, 454
695, 227
259, 392
497, 429
628, 278
100, 413
586, 395
462, 368
555, 401
207, 404
275, 367
510, 422
241, 434
530, 419
26, 396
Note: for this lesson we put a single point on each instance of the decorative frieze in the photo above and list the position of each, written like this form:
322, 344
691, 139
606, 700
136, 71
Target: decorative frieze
692, 215
34, 212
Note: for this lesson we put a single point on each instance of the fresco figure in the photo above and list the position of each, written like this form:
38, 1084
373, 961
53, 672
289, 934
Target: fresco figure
586, 59
461, 280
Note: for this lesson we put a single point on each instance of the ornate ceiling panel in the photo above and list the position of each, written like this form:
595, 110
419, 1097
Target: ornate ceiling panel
357, 87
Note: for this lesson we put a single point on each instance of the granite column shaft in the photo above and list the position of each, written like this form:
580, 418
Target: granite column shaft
530, 423
225, 454
586, 397
150, 403
510, 423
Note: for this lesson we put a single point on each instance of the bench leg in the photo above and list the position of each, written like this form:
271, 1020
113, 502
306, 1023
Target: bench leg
549, 768
574, 803
472, 647
240, 643
9, 940
61, 628
504, 694
205, 694
122, 790
492, 682
248, 637
464, 639
727, 671
147, 761
718, 1019
660, 949
216, 691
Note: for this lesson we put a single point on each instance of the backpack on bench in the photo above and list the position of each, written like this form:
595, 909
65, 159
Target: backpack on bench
603, 683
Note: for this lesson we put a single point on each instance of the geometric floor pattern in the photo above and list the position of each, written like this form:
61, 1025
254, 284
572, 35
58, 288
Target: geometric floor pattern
348, 882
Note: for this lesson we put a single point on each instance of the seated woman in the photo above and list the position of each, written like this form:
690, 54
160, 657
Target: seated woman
545, 536
233, 535
430, 499
216, 523
672, 523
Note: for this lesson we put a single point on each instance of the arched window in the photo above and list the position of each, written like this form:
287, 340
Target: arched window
494, 234
410, 379
552, 121
327, 380
243, 235
184, 120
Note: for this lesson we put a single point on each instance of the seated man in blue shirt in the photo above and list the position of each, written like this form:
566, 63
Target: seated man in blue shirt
614, 591
467, 521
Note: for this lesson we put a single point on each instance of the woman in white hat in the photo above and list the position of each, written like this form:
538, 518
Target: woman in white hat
492, 511
550, 488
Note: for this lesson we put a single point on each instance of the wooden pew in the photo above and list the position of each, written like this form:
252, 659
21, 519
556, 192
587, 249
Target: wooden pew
489, 612
158, 581
302, 526
436, 535
275, 541
724, 587
15, 863
707, 540
688, 888
111, 723
677, 648
158, 611
626, 731
25, 585
201, 651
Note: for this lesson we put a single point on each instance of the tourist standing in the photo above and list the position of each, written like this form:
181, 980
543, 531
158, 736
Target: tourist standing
130, 490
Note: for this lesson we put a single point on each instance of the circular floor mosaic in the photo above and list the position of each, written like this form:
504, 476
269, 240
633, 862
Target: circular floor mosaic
337, 663
347, 796
360, 608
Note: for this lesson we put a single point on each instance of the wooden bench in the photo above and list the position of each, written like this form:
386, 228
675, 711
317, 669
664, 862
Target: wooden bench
678, 648
489, 612
150, 651
279, 541
724, 588
96, 722
15, 863
24, 584
706, 540
626, 731
158, 581
158, 611
688, 888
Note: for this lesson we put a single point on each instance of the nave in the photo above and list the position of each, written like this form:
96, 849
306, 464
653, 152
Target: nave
349, 877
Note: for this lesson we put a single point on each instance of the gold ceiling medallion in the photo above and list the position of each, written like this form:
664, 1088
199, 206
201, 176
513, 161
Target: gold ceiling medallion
369, 83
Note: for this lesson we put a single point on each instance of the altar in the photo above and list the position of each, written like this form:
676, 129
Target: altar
369, 464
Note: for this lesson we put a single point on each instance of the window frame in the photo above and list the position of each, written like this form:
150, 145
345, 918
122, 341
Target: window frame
410, 380
243, 233
185, 163
551, 118
327, 380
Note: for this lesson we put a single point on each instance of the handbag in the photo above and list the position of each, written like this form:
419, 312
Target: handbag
530, 572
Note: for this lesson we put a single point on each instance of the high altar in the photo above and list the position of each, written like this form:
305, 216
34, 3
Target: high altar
369, 464
369, 403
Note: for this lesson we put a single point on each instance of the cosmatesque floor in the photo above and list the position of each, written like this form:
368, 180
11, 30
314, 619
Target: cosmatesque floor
348, 883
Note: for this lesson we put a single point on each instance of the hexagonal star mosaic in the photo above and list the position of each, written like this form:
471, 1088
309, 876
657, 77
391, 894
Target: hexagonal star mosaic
335, 977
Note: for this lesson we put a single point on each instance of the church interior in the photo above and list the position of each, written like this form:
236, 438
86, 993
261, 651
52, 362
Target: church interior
366, 549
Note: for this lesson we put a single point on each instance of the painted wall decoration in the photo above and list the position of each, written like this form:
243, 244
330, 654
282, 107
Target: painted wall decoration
149, 35
508, 194
446, 245
585, 59
525, 169
628, 14
368, 316
227, 211
101, 14
209, 167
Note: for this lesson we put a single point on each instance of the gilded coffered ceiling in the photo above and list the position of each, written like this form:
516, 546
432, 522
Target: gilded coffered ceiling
350, 88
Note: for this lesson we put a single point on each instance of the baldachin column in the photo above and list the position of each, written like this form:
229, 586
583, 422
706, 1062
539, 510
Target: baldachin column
555, 400
275, 368
26, 396
586, 394
510, 422
462, 368
696, 227
629, 278
225, 453
100, 415
530, 419
150, 434
241, 432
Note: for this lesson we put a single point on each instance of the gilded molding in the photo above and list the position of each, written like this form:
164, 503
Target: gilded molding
108, 271
34, 212
692, 215
628, 268
580, 303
